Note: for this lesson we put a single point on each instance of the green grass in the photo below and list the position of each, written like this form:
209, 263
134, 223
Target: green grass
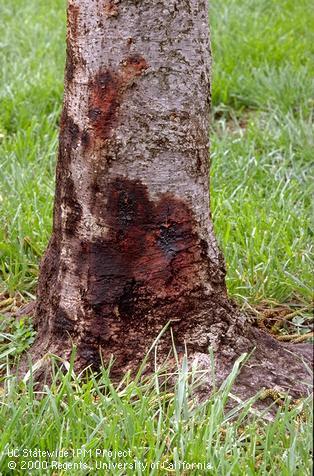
262, 145
261, 204
262, 142
153, 424
264, 54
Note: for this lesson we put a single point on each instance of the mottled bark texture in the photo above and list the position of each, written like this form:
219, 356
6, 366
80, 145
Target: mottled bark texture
132, 246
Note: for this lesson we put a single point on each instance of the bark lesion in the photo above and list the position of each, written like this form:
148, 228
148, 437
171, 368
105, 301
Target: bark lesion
148, 264
71, 207
103, 103
107, 89
142, 273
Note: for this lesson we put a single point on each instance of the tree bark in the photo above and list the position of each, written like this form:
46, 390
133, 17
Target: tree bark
133, 246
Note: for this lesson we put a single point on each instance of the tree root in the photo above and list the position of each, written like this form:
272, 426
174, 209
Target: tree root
283, 368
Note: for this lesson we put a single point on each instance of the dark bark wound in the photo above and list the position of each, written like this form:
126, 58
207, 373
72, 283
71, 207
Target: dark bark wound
147, 264
104, 102
107, 89
66, 194
73, 208
152, 248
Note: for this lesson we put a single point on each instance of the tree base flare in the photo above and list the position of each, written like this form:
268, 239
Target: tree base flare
286, 368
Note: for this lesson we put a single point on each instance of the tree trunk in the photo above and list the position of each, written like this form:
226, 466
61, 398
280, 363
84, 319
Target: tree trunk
133, 246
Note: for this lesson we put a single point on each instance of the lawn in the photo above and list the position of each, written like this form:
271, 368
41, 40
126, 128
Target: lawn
261, 186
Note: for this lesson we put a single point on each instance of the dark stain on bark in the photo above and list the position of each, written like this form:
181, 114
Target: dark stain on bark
152, 249
62, 324
65, 188
85, 138
103, 103
48, 298
126, 304
68, 141
106, 93
148, 263
73, 207
69, 134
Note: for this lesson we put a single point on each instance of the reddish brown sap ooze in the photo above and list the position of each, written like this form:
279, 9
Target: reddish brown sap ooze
107, 89
103, 103
151, 250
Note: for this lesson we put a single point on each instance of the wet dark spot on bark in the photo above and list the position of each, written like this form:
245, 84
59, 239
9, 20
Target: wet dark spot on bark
128, 298
69, 133
167, 239
148, 264
85, 139
62, 324
106, 93
103, 103
65, 189
127, 208
73, 208
108, 273
150, 244
128, 205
